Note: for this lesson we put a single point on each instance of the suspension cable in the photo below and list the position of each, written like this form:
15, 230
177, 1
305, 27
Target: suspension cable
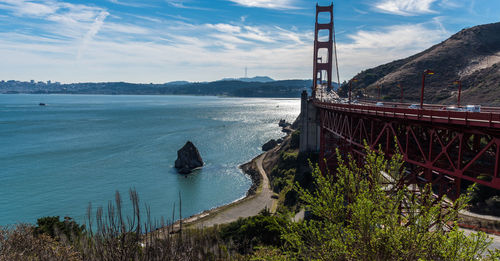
335, 48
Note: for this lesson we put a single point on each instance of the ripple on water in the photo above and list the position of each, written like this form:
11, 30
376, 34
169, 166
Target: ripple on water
83, 148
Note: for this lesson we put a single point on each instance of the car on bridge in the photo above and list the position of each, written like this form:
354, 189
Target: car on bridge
414, 106
452, 108
472, 108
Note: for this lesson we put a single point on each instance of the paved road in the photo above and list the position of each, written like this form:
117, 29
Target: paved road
250, 206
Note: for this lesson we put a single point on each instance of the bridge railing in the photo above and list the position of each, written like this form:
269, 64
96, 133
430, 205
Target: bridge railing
430, 113
405, 105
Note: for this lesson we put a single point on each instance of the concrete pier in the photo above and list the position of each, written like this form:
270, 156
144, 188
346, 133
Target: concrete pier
310, 125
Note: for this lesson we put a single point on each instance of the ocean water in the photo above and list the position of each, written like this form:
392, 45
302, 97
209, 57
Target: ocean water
80, 149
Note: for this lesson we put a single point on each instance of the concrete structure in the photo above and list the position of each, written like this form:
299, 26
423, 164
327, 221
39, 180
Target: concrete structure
309, 125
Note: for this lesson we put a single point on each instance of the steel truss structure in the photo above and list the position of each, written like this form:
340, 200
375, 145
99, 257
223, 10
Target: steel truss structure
439, 152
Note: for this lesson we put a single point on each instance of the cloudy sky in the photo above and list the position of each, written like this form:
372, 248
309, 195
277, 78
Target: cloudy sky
203, 40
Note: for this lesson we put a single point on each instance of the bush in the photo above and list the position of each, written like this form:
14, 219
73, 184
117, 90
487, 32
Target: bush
493, 205
295, 140
253, 231
485, 200
21, 243
54, 228
289, 159
360, 217
278, 184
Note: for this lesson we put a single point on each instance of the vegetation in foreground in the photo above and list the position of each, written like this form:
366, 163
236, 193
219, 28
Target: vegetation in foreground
357, 214
353, 215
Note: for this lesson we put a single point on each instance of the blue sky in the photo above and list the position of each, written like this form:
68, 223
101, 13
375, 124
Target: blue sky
199, 40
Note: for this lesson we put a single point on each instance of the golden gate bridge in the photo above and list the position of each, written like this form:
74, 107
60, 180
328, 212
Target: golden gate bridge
441, 147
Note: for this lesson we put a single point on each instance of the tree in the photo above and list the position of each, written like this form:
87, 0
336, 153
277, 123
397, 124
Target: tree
54, 228
360, 213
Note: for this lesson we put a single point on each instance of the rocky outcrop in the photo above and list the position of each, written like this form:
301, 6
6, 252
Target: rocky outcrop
188, 159
286, 127
269, 145
250, 169
283, 123
296, 123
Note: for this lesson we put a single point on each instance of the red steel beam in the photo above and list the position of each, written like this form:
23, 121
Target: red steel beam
440, 148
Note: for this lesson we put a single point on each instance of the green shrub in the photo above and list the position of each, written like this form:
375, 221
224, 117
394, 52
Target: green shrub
360, 217
253, 231
288, 159
493, 205
295, 140
290, 172
485, 200
53, 227
278, 184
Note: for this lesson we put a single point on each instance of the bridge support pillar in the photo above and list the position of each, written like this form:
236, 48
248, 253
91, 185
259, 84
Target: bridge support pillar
310, 125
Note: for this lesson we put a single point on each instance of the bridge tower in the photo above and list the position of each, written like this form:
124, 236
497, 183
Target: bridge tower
310, 134
323, 44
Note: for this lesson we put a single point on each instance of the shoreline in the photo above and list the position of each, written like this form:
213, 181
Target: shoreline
258, 197
252, 192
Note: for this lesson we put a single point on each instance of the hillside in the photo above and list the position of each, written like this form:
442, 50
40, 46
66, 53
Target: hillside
471, 56
252, 79
235, 88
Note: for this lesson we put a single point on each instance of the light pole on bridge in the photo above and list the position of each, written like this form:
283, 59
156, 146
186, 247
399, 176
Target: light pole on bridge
459, 91
426, 72
401, 87
350, 87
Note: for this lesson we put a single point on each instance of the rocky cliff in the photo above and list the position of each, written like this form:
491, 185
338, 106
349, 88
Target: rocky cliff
471, 56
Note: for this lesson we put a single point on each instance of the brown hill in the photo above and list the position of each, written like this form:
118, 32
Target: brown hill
471, 56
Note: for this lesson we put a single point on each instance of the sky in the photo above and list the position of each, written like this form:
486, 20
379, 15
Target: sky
158, 41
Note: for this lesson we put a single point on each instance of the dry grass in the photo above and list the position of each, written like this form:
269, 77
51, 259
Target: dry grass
115, 236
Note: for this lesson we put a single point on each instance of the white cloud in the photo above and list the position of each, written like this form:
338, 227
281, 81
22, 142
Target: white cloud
114, 50
450, 4
373, 48
290, 35
127, 3
26, 8
254, 33
94, 29
271, 4
405, 7
243, 33
182, 4
225, 28
125, 29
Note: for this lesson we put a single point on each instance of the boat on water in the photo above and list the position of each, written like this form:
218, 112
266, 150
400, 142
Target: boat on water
42, 104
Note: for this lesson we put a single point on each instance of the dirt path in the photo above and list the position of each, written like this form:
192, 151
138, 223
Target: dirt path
246, 207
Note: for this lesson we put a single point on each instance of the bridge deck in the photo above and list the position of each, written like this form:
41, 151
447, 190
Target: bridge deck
489, 117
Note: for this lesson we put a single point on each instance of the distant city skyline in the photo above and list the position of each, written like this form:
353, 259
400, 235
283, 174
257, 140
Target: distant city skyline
159, 41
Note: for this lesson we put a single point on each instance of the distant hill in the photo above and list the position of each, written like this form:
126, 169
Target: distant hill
253, 79
177, 83
235, 88
471, 56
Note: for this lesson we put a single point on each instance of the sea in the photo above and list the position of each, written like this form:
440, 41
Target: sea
78, 150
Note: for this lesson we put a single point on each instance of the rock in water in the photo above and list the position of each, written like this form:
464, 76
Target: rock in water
188, 158
283, 123
269, 145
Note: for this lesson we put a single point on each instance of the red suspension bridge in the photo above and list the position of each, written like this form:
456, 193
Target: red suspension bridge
441, 147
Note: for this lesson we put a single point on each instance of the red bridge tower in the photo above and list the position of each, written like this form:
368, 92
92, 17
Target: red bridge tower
322, 65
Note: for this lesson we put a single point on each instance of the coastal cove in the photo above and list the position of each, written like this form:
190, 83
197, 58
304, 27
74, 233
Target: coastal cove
77, 149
